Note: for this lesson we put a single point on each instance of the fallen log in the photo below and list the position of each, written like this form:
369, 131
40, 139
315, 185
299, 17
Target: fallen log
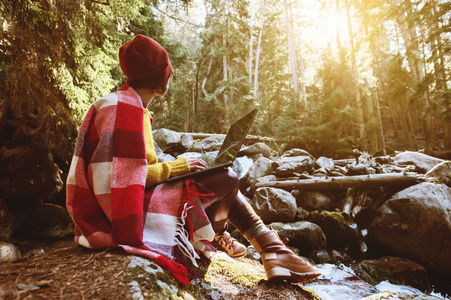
344, 182
249, 138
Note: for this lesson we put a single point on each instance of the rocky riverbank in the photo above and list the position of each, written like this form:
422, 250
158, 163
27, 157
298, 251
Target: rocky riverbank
375, 221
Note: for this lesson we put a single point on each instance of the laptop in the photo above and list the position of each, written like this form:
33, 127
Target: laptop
229, 149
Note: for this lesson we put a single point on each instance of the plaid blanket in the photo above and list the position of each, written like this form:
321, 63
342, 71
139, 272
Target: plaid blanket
106, 195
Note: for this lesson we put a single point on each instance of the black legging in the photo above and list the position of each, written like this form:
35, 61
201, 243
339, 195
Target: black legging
224, 184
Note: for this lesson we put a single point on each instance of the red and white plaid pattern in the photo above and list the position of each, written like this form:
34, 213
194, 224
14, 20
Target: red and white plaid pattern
106, 195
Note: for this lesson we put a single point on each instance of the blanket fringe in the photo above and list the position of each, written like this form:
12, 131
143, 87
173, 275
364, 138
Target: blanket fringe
178, 271
183, 239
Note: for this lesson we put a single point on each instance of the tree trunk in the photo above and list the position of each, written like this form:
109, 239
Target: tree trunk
257, 60
410, 123
302, 79
291, 49
344, 182
439, 57
408, 33
360, 113
251, 40
381, 125
204, 82
224, 57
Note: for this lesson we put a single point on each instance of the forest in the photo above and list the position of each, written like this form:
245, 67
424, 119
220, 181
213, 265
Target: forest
327, 76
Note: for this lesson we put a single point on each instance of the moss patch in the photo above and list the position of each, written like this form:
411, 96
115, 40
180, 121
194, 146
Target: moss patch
243, 271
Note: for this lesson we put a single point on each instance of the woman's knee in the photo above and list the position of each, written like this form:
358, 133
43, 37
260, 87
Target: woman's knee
222, 183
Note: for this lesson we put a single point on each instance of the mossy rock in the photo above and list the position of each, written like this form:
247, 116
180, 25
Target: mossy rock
341, 234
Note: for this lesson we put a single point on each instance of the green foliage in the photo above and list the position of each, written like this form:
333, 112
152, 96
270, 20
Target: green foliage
445, 103
60, 57
57, 57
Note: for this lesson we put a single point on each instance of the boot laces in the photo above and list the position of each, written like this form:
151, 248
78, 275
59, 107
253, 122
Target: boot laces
226, 240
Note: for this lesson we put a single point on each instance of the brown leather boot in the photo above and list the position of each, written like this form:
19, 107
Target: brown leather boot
280, 262
225, 243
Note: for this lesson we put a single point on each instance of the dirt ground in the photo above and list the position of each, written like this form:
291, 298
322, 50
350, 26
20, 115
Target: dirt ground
63, 270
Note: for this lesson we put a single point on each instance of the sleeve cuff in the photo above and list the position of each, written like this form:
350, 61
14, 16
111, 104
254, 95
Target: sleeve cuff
179, 166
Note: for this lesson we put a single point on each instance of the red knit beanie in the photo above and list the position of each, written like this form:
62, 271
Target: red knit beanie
145, 63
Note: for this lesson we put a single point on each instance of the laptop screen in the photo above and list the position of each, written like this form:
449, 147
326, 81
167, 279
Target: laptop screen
235, 137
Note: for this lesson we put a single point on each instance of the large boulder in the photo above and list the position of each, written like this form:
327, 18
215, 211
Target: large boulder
416, 224
422, 162
257, 148
241, 165
7, 222
287, 166
187, 141
305, 236
297, 152
396, 270
260, 168
316, 200
274, 205
211, 143
45, 222
441, 172
28, 175
166, 138
341, 233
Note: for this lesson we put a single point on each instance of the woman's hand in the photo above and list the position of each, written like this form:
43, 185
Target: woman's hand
196, 164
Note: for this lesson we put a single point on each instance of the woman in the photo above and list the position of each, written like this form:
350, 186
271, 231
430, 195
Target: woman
117, 194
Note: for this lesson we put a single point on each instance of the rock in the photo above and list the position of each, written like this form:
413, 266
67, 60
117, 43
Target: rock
250, 191
396, 270
8, 252
191, 154
339, 284
257, 148
211, 143
403, 293
387, 159
260, 168
241, 165
287, 166
166, 138
187, 141
7, 222
297, 152
274, 205
151, 276
165, 157
302, 214
157, 148
251, 253
325, 163
441, 172
47, 221
305, 236
341, 234
422, 162
365, 165
416, 224
337, 257
28, 175
320, 256
316, 200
